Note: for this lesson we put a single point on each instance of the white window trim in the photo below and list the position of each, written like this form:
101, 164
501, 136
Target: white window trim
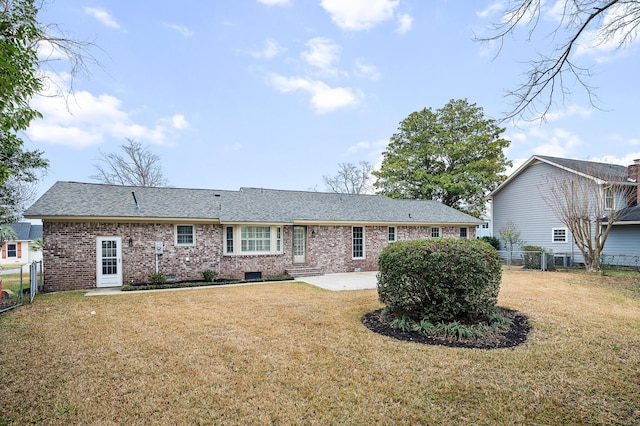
553, 235
460, 231
439, 231
612, 198
15, 250
237, 240
364, 251
175, 235
225, 240
395, 234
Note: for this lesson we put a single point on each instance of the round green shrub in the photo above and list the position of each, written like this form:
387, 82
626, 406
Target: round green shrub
439, 280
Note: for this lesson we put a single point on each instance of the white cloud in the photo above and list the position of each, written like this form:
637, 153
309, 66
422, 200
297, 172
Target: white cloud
491, 9
358, 15
559, 144
181, 29
324, 98
366, 71
102, 16
322, 54
48, 51
85, 119
179, 122
274, 2
271, 49
404, 23
569, 111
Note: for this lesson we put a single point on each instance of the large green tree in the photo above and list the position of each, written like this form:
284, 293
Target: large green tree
454, 155
19, 82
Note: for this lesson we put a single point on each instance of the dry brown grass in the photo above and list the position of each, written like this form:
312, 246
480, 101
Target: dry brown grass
290, 353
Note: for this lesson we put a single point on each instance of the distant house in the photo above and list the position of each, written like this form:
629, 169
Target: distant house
103, 235
521, 199
18, 252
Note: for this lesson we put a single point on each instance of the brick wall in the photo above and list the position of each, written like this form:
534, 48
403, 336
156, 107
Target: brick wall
70, 251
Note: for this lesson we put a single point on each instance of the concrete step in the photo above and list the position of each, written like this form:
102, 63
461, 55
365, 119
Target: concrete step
304, 271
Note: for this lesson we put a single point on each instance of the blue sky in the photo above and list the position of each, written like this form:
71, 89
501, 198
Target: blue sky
276, 93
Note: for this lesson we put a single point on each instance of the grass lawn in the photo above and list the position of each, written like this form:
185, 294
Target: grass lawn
289, 353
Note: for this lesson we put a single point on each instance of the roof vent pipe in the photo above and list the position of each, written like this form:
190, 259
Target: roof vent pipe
135, 200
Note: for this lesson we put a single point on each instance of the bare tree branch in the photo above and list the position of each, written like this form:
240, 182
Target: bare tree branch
137, 167
351, 179
550, 77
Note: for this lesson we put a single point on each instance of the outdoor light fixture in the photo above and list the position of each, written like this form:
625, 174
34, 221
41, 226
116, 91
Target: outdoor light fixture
313, 233
130, 242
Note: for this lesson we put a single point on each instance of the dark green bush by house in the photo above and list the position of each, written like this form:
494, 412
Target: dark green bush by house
439, 280
493, 241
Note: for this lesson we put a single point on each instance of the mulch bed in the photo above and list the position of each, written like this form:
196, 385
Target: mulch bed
514, 336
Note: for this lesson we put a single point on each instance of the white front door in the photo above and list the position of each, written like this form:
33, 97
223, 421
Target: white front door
108, 262
299, 244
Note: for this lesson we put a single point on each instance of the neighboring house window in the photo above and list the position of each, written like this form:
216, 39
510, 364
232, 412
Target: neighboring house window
485, 226
609, 203
12, 250
358, 242
185, 235
251, 240
559, 235
435, 232
229, 239
463, 232
392, 234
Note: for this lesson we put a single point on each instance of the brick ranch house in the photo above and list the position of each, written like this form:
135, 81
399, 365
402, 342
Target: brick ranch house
98, 235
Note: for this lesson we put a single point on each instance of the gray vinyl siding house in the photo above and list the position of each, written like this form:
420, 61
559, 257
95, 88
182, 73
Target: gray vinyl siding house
521, 200
99, 235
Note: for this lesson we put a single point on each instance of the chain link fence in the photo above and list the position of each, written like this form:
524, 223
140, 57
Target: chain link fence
534, 260
19, 284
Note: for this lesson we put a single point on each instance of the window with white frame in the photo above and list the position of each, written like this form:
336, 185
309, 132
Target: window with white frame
255, 239
12, 250
358, 242
559, 235
609, 200
463, 232
435, 232
185, 235
252, 239
392, 234
229, 239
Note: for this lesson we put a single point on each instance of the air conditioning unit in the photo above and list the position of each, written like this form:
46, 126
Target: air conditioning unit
563, 260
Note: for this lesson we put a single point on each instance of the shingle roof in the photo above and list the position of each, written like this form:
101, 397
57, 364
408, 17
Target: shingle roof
86, 200
26, 231
627, 215
603, 171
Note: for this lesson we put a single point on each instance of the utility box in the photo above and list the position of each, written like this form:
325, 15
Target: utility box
159, 247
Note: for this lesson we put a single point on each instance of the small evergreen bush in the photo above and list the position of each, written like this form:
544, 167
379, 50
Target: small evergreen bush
209, 275
439, 280
157, 278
